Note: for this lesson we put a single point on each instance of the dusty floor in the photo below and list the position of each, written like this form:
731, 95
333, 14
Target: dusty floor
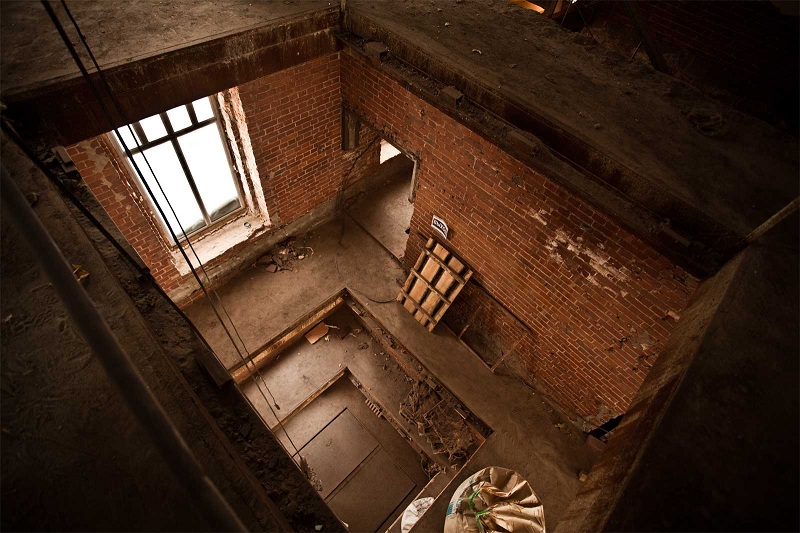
385, 212
303, 369
355, 457
525, 437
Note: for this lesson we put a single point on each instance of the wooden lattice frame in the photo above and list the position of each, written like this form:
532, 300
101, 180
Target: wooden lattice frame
433, 284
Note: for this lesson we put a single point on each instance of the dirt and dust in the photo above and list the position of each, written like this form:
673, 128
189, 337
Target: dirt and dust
118, 33
282, 255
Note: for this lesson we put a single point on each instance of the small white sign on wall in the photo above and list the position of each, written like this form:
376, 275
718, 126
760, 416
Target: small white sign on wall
439, 225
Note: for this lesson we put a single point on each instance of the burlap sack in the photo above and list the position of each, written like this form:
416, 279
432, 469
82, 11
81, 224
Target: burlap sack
494, 499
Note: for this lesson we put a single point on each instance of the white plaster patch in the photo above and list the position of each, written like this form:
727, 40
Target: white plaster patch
538, 216
598, 261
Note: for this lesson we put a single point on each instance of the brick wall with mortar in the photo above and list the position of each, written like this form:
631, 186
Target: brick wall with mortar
105, 174
598, 299
293, 121
745, 53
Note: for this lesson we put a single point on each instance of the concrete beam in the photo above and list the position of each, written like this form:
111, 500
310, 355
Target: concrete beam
66, 111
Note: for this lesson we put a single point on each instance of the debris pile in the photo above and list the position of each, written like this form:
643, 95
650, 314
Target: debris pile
437, 420
281, 256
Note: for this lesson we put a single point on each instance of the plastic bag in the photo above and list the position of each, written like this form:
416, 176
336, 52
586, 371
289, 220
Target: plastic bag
412, 513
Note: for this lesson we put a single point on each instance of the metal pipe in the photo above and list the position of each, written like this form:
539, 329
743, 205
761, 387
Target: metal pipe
116, 363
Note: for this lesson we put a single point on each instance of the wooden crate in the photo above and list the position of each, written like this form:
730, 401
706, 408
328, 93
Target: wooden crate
433, 284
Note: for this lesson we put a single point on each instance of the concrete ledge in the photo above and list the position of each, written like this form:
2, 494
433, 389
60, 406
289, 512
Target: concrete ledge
65, 111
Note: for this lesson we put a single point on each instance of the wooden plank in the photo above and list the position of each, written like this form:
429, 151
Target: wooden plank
444, 284
430, 286
271, 350
430, 270
417, 307
441, 252
443, 265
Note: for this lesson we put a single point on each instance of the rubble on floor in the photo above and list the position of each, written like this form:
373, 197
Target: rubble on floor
437, 419
281, 256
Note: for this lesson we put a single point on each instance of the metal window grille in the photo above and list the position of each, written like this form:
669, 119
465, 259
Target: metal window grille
175, 127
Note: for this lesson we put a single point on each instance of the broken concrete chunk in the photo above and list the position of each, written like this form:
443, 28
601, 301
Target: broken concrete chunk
272, 267
376, 52
451, 96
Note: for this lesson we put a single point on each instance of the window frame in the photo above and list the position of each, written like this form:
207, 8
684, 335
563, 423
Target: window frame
172, 137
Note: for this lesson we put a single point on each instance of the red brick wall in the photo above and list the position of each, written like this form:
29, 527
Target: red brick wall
596, 297
105, 174
294, 122
294, 119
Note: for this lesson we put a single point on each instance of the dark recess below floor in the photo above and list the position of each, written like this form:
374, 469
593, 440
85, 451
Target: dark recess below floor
367, 472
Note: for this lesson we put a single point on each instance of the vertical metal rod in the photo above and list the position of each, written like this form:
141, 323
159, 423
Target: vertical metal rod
116, 363
650, 44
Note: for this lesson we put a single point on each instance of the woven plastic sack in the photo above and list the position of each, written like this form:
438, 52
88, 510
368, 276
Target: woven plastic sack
494, 499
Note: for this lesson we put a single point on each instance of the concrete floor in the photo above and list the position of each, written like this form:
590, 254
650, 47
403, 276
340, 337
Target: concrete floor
385, 212
525, 438
357, 457
303, 369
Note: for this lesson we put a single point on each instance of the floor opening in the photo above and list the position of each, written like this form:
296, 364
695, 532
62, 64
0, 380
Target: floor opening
385, 211
376, 430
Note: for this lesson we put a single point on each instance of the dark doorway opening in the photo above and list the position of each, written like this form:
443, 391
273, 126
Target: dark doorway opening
385, 211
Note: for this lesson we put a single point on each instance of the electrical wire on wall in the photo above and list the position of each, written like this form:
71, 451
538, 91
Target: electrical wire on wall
253, 370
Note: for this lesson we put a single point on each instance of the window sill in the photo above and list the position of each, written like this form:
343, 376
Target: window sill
216, 242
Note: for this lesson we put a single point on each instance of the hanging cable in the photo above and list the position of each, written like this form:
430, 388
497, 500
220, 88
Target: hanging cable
246, 361
121, 113
9, 130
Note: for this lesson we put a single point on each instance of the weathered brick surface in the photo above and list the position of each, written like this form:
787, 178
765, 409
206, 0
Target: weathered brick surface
103, 171
294, 122
595, 296
294, 119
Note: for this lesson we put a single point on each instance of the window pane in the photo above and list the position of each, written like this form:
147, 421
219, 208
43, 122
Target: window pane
172, 178
179, 118
208, 163
125, 133
153, 128
202, 109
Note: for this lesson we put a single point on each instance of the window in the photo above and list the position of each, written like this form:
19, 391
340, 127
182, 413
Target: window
187, 152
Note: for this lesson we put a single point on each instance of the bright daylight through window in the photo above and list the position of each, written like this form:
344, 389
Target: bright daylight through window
187, 153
